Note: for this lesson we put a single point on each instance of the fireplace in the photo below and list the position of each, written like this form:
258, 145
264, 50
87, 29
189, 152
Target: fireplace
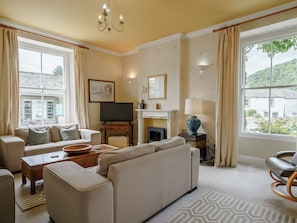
155, 134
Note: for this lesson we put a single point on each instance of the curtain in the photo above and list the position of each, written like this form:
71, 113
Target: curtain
9, 81
81, 103
227, 96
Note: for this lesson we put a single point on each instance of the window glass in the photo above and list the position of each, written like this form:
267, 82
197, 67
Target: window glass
42, 76
269, 84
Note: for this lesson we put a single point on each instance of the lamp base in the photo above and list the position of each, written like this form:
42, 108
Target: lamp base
193, 125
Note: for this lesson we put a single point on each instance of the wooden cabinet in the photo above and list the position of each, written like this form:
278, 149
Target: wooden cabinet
126, 128
197, 141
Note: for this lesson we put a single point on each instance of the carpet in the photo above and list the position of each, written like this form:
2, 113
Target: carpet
23, 197
212, 206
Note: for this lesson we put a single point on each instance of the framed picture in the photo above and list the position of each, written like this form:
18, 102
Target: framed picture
157, 86
101, 91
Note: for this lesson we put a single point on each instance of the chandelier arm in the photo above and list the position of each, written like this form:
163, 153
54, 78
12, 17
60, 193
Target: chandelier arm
106, 22
119, 29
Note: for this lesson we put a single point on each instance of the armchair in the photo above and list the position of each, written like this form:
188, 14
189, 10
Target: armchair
282, 168
7, 201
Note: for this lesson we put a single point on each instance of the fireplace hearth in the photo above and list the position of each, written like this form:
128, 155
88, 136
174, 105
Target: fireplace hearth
155, 134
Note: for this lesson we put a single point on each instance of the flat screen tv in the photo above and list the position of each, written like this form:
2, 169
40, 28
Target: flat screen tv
116, 112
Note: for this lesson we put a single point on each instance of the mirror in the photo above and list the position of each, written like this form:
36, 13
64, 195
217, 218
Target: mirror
157, 86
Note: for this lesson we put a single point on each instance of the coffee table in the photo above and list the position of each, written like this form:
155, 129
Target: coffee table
32, 166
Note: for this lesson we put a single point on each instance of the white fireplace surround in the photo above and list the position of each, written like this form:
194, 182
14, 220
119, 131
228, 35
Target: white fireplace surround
153, 114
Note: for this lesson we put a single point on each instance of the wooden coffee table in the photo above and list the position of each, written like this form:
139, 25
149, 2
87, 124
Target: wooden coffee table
32, 166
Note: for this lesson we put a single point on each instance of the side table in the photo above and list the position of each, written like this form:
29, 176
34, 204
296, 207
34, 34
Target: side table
197, 141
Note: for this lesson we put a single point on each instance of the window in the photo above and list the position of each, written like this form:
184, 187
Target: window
43, 77
269, 83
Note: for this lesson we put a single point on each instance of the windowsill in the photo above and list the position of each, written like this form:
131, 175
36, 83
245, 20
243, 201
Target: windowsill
284, 138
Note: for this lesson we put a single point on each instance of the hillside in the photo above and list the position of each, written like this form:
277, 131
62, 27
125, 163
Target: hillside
283, 74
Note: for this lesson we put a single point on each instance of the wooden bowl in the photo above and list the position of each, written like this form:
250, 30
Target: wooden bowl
77, 149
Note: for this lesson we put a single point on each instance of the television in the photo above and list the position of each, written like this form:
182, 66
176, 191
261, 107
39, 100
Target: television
116, 112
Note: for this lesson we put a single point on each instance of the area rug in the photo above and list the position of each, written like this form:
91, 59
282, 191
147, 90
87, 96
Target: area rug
23, 197
212, 206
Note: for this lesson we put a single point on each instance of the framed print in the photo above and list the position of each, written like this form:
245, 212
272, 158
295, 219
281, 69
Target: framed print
157, 86
101, 91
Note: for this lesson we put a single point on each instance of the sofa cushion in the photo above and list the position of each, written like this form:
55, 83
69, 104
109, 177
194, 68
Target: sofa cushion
38, 136
72, 142
56, 133
109, 158
69, 132
169, 143
42, 148
22, 133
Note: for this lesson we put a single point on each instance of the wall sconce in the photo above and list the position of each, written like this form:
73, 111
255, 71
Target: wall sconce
130, 79
202, 68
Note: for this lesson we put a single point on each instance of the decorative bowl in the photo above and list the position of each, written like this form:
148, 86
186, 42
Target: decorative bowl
77, 149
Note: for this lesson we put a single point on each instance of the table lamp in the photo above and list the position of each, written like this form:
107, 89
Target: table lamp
192, 107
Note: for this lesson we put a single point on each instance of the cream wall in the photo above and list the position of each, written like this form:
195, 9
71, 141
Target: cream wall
161, 59
129, 89
202, 50
107, 67
179, 59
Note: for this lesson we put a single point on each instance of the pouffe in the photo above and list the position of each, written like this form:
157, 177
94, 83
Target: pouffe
118, 141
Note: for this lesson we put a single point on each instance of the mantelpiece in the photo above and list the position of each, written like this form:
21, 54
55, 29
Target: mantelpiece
154, 114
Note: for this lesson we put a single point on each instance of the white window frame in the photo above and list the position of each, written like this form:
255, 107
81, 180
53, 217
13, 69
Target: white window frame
268, 33
67, 53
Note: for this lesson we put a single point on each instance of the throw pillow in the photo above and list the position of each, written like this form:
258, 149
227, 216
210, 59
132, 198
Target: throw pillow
172, 142
69, 132
38, 136
56, 133
109, 158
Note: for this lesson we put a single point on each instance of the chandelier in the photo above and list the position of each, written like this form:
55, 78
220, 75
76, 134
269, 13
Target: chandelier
105, 20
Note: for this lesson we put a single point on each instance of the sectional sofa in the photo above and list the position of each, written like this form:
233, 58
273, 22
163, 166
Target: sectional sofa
42, 139
128, 185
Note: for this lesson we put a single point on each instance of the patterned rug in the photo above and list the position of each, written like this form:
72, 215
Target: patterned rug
214, 207
23, 197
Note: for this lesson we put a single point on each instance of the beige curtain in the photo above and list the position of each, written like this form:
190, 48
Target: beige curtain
9, 81
81, 105
227, 96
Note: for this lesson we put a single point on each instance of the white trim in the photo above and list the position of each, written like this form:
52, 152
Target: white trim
131, 52
96, 48
275, 137
262, 34
253, 161
241, 19
38, 32
44, 44
161, 41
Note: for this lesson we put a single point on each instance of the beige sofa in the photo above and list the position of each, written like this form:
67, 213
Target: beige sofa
129, 185
42, 139
7, 205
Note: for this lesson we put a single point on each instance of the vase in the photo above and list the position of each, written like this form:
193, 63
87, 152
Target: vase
193, 124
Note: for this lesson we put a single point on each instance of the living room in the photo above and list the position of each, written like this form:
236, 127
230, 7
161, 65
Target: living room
177, 56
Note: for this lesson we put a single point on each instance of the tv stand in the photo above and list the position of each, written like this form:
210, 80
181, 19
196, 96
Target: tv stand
123, 127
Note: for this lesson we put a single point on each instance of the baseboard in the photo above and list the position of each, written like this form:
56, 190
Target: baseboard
253, 161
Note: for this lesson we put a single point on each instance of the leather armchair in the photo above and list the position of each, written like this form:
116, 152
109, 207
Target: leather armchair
283, 170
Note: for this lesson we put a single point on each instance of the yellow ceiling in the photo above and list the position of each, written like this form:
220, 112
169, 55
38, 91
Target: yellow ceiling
145, 20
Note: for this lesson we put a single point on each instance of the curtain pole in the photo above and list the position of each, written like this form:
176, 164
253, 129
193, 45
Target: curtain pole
250, 20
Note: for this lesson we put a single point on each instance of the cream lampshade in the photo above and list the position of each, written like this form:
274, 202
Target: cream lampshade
193, 107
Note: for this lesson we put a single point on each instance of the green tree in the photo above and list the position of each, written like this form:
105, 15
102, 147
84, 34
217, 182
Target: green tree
283, 126
58, 70
278, 46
